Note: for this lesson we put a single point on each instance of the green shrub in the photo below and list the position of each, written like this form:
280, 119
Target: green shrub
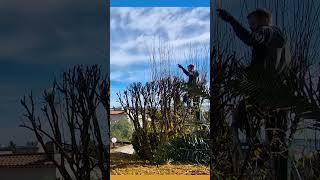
185, 149
137, 145
162, 154
151, 143
122, 130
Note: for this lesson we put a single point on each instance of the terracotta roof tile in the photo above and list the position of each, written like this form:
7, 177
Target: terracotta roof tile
117, 112
24, 160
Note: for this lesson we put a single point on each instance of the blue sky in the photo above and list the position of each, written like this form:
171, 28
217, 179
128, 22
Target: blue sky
38, 40
133, 30
160, 3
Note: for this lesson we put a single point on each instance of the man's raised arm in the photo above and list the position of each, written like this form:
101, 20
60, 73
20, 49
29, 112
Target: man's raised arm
249, 38
184, 70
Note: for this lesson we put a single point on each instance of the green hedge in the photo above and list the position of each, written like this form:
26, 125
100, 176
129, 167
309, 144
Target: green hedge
184, 149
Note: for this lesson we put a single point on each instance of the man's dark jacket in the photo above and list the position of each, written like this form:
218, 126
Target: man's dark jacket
193, 77
269, 45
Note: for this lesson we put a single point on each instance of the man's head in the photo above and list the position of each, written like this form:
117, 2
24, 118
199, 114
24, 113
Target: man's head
190, 67
259, 17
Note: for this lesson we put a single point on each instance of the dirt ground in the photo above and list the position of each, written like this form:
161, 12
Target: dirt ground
129, 164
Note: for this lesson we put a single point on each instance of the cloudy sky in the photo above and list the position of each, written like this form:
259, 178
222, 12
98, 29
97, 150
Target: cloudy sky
134, 29
38, 40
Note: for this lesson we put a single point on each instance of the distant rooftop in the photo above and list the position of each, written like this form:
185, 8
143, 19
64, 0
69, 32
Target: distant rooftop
35, 160
117, 112
20, 149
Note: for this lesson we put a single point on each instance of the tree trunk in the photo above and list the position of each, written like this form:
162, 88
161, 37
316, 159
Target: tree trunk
279, 161
237, 155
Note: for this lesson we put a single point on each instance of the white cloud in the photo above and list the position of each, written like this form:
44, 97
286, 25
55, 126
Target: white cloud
203, 38
128, 75
121, 57
134, 29
168, 18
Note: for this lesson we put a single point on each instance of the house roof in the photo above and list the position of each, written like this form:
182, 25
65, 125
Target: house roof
35, 160
117, 112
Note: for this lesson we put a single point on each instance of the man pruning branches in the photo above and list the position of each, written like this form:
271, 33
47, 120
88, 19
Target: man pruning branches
270, 57
269, 44
192, 86
192, 74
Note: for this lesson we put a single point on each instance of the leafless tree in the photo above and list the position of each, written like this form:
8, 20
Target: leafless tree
74, 118
156, 107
